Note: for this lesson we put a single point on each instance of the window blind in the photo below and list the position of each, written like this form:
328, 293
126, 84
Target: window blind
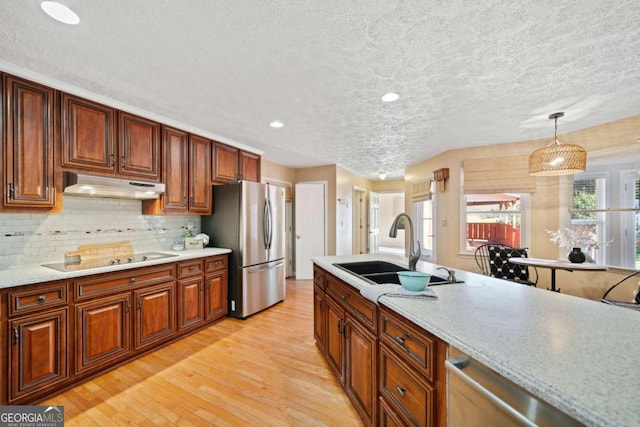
498, 174
421, 191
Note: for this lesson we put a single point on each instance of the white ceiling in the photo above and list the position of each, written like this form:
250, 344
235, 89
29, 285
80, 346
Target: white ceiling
469, 72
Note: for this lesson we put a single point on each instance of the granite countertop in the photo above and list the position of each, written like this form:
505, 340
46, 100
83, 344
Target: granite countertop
28, 274
578, 355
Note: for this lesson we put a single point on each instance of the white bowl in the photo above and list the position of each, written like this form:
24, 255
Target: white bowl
177, 247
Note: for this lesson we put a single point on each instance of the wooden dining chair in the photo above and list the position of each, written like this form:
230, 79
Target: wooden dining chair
492, 259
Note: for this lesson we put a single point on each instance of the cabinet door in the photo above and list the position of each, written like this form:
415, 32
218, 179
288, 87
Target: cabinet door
176, 170
139, 147
199, 181
103, 331
249, 166
335, 338
155, 314
88, 135
224, 163
361, 362
319, 317
29, 144
38, 355
190, 303
216, 301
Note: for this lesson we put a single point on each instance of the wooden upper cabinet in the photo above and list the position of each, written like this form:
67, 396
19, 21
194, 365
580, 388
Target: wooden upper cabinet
139, 147
185, 174
249, 166
88, 135
175, 145
231, 164
199, 181
224, 163
28, 149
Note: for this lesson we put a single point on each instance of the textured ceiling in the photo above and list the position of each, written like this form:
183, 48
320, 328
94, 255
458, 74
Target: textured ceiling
469, 72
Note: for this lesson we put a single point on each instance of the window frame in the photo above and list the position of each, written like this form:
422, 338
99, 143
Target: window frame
525, 222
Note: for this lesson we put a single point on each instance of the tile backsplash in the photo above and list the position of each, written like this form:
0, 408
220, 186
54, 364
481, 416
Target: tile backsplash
41, 238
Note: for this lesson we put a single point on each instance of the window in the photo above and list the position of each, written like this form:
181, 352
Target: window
607, 203
494, 218
424, 227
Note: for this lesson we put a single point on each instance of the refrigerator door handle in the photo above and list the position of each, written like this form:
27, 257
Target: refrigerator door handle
270, 222
270, 267
265, 224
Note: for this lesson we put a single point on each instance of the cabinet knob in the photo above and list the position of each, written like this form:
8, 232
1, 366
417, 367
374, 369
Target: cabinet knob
132, 280
41, 298
191, 268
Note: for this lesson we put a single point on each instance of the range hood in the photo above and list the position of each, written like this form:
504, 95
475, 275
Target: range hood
116, 188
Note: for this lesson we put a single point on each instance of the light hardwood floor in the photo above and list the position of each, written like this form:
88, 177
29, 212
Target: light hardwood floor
263, 371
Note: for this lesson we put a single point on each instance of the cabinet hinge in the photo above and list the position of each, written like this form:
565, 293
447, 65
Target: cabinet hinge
16, 336
12, 190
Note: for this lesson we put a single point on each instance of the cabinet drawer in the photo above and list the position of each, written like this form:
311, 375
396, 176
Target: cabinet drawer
114, 282
366, 311
35, 298
189, 268
318, 277
215, 263
410, 396
410, 342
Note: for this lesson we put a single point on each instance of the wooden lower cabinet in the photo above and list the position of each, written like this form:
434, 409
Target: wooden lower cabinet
37, 353
215, 295
319, 318
388, 417
361, 364
155, 314
52, 341
391, 369
407, 393
335, 338
350, 346
190, 303
103, 330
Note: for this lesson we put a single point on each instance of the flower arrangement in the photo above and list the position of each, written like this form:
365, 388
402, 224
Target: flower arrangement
578, 237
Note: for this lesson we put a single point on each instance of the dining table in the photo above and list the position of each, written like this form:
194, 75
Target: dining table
554, 264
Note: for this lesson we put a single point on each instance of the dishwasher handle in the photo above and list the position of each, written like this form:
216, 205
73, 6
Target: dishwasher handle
457, 365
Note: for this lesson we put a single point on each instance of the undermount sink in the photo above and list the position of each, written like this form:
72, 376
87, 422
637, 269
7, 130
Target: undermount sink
379, 272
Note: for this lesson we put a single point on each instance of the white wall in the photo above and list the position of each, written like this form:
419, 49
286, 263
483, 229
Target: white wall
41, 238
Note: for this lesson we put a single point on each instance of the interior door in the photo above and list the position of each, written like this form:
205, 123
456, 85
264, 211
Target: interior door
374, 222
310, 223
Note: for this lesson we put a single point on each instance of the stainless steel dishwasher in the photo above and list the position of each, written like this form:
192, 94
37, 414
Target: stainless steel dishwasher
478, 396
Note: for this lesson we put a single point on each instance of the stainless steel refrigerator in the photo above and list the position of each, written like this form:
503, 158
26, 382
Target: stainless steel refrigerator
248, 218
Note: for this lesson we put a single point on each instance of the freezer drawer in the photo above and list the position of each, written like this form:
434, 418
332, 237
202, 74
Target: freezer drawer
263, 285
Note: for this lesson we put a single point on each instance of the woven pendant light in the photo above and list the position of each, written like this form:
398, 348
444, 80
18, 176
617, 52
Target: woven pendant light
557, 158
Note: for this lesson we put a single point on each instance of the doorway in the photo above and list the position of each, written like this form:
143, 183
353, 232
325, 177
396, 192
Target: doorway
310, 221
390, 205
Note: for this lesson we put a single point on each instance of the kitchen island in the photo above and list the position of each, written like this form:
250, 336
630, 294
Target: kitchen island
578, 355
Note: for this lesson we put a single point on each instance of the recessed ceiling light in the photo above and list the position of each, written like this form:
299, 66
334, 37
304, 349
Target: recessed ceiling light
276, 124
390, 97
382, 175
60, 12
